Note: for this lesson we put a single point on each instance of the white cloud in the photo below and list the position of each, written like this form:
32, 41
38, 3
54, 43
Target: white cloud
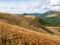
56, 8
26, 7
55, 5
29, 7
54, 2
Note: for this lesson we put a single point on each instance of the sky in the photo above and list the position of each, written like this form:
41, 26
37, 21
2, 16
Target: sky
29, 6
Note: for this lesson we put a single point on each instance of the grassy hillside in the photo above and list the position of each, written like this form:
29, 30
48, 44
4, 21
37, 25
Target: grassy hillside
22, 21
16, 20
14, 35
53, 18
26, 22
42, 21
56, 30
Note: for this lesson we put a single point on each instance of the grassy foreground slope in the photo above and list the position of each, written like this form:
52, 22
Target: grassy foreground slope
14, 35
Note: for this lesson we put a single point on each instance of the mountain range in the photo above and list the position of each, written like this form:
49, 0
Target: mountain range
52, 17
49, 16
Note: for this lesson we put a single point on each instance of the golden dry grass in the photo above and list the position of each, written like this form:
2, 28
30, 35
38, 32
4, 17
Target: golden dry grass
21, 21
25, 22
14, 35
56, 30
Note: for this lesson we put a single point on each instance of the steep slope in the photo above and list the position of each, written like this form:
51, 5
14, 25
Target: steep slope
14, 35
42, 21
23, 21
52, 17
